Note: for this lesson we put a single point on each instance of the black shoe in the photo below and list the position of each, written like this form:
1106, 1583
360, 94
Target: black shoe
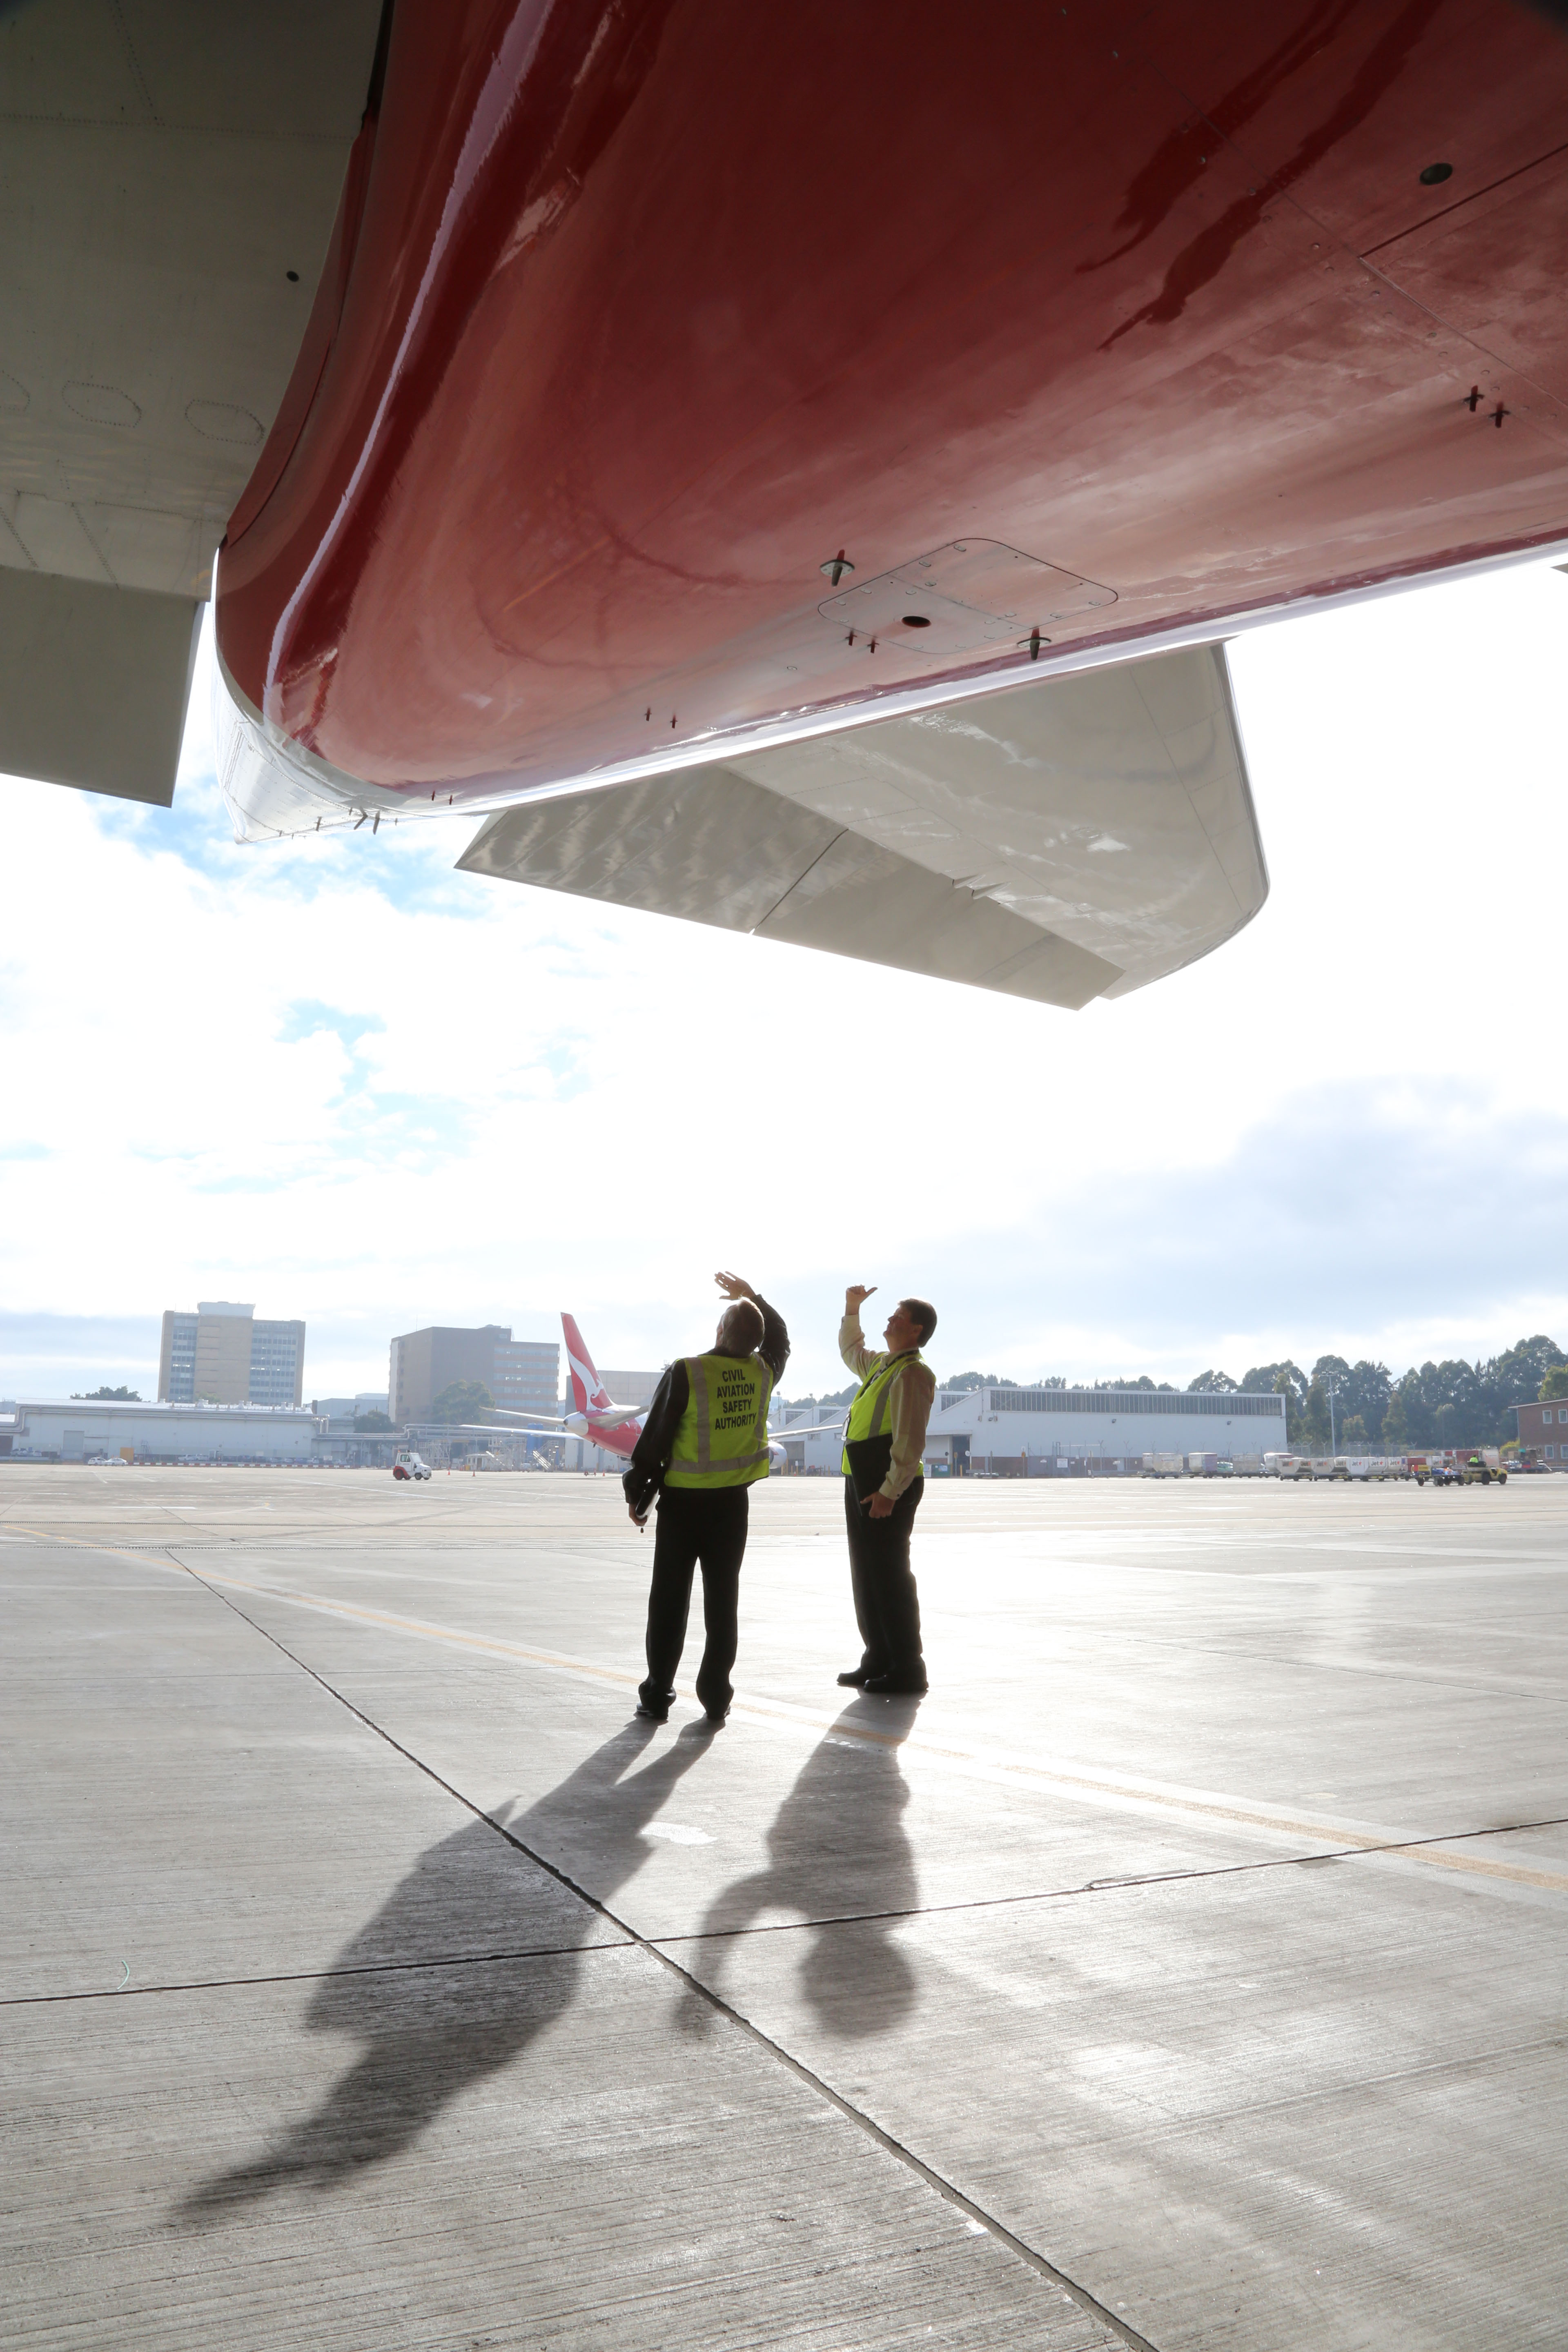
898, 1685
716, 1717
653, 1703
854, 1680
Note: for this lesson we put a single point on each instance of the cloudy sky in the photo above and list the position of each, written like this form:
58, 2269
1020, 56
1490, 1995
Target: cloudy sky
349, 1083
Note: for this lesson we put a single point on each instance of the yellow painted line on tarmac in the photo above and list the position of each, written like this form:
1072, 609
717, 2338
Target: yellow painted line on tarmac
990, 1764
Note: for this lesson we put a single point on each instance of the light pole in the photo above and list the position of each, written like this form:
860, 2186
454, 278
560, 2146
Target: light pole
1331, 1393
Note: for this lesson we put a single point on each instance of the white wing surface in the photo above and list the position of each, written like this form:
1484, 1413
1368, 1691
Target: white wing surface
1070, 838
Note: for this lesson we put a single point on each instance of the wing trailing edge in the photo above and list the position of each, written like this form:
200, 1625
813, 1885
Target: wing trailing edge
1068, 839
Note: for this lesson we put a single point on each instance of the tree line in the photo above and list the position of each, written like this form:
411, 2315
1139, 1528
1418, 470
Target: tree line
1432, 1404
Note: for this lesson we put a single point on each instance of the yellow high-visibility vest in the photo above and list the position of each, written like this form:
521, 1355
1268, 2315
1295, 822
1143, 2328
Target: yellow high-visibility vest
871, 1413
722, 1440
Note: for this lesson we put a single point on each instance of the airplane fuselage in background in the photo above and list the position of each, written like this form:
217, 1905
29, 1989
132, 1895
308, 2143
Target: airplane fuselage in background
594, 1416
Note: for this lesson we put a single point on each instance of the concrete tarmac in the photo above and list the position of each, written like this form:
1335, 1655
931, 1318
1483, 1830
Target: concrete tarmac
1189, 1969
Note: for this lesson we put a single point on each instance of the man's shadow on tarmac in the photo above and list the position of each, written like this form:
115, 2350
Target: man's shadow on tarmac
837, 1853
431, 2033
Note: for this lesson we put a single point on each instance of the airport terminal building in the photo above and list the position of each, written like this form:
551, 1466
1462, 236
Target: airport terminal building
1043, 1433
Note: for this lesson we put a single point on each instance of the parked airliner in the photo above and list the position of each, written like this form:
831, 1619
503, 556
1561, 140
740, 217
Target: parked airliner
594, 1416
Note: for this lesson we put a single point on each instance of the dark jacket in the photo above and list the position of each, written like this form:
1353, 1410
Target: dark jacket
650, 1454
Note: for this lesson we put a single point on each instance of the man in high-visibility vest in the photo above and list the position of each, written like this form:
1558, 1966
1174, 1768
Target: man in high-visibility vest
704, 1442
884, 1478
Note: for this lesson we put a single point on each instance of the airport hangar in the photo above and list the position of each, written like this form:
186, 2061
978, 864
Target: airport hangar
79, 1429
1043, 1433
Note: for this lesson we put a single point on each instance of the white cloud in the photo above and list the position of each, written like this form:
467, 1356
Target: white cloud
340, 1079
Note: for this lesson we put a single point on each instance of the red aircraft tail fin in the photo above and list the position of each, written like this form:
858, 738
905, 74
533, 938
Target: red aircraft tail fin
587, 1387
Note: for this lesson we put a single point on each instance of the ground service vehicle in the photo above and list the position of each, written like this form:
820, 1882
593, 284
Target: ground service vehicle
1480, 1467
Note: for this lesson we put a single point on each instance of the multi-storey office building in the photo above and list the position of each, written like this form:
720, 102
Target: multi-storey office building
522, 1374
527, 1374
340, 1414
624, 1387
222, 1354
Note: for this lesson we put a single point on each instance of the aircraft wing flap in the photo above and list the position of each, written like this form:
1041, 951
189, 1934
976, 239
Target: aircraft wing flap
93, 683
722, 850
702, 843
1067, 839
862, 899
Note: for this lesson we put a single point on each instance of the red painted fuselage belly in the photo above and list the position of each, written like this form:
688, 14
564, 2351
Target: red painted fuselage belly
640, 312
618, 1440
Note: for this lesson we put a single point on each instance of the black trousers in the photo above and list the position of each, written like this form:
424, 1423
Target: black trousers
692, 1528
886, 1604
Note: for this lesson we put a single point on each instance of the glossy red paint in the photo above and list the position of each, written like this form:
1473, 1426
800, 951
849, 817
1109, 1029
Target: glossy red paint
637, 313
592, 1399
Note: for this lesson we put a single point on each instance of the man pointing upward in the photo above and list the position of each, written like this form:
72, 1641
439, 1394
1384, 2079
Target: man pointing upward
884, 1480
704, 1442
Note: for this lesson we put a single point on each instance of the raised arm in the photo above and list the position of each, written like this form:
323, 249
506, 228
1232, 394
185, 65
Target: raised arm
852, 1347
774, 1346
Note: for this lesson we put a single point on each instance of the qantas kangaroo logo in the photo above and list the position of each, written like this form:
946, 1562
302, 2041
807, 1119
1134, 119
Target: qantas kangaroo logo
588, 1391
594, 1412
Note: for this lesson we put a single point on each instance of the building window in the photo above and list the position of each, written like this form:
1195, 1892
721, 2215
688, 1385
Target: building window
1561, 1413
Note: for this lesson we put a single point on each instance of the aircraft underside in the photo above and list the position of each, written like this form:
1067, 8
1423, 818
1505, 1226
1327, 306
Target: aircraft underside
795, 470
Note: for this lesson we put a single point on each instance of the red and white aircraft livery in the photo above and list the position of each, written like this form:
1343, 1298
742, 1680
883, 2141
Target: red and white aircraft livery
594, 1415
793, 469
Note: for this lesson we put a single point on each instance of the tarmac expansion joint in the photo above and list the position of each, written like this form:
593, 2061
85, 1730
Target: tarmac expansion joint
948, 2190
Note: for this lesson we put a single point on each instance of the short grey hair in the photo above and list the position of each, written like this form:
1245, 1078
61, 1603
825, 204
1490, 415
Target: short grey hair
744, 1322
